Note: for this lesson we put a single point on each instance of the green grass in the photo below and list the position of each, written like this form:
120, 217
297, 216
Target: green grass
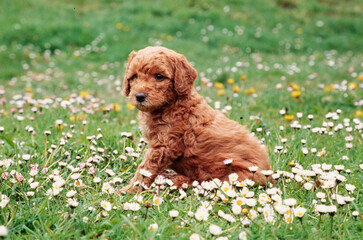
50, 51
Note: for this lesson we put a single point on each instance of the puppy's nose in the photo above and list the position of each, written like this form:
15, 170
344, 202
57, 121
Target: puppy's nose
140, 97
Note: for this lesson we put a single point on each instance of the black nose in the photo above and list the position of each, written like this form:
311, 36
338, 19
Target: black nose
140, 97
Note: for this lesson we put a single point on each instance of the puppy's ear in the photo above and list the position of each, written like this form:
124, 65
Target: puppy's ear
184, 75
126, 83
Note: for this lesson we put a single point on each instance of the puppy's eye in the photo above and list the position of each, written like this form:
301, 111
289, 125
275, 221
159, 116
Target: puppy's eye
133, 76
159, 77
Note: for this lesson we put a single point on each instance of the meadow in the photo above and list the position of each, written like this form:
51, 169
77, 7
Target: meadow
291, 71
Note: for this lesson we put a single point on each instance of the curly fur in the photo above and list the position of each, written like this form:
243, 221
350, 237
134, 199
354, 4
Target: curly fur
185, 134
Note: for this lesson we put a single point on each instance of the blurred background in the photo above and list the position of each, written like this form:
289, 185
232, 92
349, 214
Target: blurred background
85, 43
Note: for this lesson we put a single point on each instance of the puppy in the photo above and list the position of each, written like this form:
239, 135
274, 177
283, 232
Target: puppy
184, 133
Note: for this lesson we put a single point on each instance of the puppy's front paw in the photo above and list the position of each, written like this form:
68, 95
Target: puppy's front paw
128, 189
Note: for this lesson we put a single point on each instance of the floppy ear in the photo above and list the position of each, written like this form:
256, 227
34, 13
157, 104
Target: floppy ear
184, 75
126, 84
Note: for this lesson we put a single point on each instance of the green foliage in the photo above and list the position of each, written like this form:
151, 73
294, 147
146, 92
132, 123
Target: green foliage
52, 52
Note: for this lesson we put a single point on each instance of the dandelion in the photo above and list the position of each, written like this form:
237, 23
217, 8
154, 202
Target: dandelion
236, 89
295, 94
215, 230
289, 117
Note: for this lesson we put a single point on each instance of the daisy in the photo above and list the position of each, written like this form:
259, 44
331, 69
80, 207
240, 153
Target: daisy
194, 236
233, 177
173, 213
3, 231
157, 200
290, 202
145, 173
236, 209
228, 161
134, 206
253, 169
201, 214
153, 227
4, 201
252, 214
107, 188
242, 236
308, 186
350, 187
299, 212
106, 205
215, 230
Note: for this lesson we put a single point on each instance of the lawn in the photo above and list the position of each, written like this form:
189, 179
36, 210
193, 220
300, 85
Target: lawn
291, 71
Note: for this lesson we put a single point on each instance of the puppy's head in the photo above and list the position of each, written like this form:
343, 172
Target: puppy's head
156, 76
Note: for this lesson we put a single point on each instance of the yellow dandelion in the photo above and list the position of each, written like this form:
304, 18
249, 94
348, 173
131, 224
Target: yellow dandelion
292, 164
359, 113
119, 26
329, 88
127, 28
115, 107
289, 117
250, 91
221, 92
81, 117
243, 77
352, 86
245, 211
130, 106
360, 77
236, 89
299, 31
295, 94
294, 86
72, 119
84, 94
230, 81
29, 90
218, 85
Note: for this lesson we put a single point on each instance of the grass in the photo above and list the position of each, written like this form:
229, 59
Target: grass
72, 53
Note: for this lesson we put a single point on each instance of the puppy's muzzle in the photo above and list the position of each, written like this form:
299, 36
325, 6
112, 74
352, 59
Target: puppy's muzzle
140, 97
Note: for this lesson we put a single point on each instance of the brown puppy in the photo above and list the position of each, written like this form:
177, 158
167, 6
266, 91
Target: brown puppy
184, 133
